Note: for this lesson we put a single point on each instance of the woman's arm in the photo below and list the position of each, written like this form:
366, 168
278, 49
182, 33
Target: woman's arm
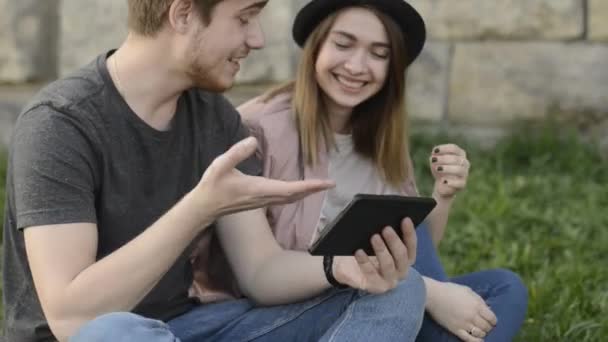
438, 218
450, 169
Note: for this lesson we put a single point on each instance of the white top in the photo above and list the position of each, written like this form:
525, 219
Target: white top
353, 174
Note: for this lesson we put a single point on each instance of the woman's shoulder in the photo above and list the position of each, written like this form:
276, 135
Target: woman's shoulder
272, 114
262, 106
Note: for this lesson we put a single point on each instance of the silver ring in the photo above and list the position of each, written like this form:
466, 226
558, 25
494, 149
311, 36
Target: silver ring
462, 162
473, 331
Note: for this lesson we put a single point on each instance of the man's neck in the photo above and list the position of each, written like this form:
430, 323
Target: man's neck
142, 73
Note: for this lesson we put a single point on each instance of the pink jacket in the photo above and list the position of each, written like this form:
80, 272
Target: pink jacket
294, 225
272, 123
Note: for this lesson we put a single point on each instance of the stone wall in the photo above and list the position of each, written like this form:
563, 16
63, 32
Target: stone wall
487, 63
89, 27
28, 40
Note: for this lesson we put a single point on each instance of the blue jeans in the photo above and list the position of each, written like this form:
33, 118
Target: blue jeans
336, 315
503, 291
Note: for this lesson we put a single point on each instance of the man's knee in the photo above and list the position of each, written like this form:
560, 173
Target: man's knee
407, 300
123, 326
413, 290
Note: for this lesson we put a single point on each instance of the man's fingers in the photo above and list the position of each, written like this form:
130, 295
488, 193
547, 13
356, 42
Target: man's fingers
235, 155
397, 249
385, 259
286, 191
365, 264
409, 239
308, 186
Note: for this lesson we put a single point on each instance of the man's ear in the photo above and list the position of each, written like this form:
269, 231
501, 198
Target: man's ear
181, 15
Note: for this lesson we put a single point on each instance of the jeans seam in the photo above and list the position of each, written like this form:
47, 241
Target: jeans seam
347, 316
270, 328
482, 288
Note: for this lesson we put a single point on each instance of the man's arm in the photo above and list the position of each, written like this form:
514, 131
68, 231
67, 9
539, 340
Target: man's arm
73, 287
262, 266
270, 275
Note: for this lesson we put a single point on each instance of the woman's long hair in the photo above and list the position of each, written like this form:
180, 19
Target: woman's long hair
379, 125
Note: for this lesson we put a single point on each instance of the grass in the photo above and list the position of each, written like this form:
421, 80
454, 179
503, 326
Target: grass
2, 187
535, 204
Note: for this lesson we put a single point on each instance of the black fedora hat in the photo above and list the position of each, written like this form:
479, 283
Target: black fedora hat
408, 19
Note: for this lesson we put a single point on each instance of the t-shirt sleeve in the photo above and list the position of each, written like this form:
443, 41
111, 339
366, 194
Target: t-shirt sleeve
238, 131
52, 163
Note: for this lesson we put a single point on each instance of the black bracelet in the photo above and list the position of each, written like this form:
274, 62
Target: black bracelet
328, 263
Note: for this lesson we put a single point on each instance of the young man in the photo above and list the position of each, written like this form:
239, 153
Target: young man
115, 173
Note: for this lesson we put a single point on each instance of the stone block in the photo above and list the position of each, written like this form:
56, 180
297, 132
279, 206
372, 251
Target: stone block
498, 82
598, 20
503, 19
427, 83
28, 37
276, 62
89, 28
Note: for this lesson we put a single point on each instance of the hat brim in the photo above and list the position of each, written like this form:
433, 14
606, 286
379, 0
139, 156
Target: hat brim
405, 16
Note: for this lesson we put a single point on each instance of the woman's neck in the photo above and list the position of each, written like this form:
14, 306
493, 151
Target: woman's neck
339, 119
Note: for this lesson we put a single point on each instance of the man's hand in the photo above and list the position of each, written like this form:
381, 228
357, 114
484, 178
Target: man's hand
390, 265
225, 190
460, 310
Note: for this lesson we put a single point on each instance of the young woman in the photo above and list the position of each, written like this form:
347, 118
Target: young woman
344, 118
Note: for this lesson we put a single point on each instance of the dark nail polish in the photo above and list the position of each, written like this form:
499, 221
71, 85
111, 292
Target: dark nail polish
440, 168
434, 160
436, 150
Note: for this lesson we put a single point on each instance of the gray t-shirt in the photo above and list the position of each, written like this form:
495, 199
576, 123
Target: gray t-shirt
80, 154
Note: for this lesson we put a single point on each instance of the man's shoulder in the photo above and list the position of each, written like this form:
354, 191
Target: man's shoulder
73, 93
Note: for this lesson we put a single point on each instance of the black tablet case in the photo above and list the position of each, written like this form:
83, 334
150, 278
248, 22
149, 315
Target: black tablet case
365, 216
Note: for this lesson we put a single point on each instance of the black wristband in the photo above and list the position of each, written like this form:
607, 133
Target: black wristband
328, 265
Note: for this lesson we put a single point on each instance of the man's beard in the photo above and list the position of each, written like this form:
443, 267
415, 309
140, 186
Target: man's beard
202, 77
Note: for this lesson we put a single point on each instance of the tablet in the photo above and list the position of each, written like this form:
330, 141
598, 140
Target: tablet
365, 216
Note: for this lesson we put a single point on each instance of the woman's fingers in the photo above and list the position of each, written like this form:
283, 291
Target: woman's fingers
486, 313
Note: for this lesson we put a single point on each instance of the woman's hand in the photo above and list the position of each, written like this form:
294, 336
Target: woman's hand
460, 310
450, 168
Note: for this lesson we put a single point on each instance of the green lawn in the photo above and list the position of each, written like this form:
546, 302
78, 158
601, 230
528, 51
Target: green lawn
535, 205
2, 183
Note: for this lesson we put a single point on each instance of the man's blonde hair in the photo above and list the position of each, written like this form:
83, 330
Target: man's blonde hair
147, 17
